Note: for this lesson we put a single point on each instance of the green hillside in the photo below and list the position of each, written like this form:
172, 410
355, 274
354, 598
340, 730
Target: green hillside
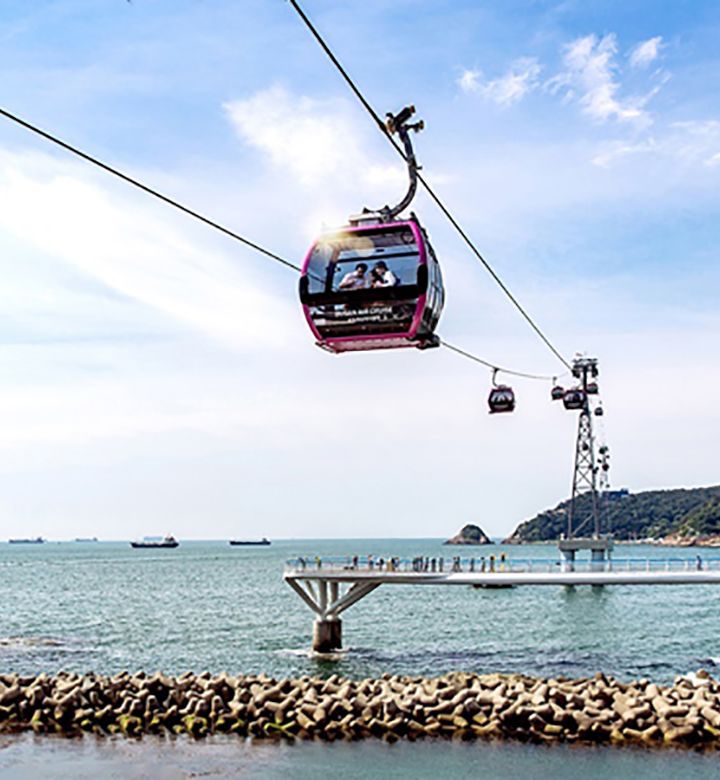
654, 513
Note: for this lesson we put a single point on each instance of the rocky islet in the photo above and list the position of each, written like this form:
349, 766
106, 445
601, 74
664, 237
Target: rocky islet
470, 534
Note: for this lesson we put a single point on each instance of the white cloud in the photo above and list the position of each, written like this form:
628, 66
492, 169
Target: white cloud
312, 139
695, 141
590, 77
520, 79
469, 81
683, 148
616, 150
646, 52
133, 249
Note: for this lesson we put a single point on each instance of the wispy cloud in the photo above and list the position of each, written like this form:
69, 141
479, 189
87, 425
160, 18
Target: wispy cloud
310, 138
698, 140
520, 79
470, 80
616, 150
689, 145
590, 77
143, 256
646, 52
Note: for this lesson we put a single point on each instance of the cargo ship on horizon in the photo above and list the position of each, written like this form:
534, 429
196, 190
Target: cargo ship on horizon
153, 543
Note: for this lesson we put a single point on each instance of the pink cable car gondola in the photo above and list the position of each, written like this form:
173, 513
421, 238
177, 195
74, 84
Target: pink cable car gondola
376, 283
374, 286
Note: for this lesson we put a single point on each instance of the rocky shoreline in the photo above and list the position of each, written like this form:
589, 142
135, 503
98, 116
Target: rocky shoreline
674, 540
459, 706
685, 540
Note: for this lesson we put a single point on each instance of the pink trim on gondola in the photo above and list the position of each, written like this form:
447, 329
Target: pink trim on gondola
419, 308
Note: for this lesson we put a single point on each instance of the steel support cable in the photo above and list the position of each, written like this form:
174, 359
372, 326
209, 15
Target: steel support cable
212, 223
379, 122
499, 369
135, 183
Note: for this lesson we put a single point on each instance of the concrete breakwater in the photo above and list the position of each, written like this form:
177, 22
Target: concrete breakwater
458, 705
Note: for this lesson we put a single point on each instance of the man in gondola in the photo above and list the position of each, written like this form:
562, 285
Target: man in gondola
355, 280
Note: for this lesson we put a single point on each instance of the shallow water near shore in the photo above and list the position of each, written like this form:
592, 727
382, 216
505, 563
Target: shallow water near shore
28, 757
104, 607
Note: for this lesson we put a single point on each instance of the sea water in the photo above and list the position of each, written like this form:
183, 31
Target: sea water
105, 607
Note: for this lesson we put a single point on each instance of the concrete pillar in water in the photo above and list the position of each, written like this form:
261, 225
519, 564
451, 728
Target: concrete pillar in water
597, 558
568, 559
327, 635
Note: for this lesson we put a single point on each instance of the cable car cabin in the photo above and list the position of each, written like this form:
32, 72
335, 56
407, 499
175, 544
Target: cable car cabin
574, 398
592, 388
375, 286
501, 399
599, 411
557, 393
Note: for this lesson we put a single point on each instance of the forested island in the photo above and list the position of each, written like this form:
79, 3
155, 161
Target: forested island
680, 516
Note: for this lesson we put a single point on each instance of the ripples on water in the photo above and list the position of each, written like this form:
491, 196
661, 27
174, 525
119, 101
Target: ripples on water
105, 607
27, 758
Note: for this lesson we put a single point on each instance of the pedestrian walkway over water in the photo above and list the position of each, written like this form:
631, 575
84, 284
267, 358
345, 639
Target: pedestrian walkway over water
318, 581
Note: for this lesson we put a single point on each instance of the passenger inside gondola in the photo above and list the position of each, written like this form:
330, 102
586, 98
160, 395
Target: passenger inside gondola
355, 280
382, 276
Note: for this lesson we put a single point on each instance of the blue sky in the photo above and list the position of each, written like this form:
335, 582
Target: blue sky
160, 377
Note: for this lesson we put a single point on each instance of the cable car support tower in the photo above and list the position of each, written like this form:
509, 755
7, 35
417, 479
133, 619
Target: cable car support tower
585, 529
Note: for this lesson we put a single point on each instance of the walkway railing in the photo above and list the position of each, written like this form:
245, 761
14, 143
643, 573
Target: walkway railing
487, 564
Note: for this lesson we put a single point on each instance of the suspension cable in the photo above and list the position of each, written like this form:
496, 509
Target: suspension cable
135, 183
498, 369
217, 226
466, 238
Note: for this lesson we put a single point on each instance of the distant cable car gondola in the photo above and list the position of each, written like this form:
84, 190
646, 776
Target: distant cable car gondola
599, 411
376, 283
557, 393
574, 398
592, 388
501, 398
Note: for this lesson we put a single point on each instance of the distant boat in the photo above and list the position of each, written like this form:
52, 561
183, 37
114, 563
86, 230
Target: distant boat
85, 539
154, 543
36, 540
246, 542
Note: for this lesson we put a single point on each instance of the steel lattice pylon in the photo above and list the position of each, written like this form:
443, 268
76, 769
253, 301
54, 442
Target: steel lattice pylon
585, 518
584, 480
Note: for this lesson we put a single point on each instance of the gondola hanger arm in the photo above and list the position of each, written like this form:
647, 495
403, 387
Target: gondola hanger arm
399, 124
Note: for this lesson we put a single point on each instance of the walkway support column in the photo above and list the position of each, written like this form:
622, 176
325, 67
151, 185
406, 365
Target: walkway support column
568, 559
597, 559
327, 601
327, 635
